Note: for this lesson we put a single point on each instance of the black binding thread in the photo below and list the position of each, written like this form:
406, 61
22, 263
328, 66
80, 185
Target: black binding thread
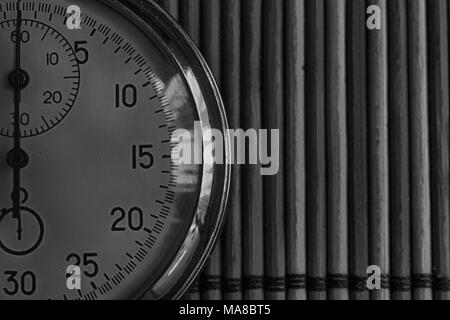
385, 281
441, 284
296, 281
253, 282
337, 281
316, 284
273, 284
232, 285
358, 284
422, 281
211, 283
401, 283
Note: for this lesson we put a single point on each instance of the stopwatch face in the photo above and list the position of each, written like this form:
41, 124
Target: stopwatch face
102, 210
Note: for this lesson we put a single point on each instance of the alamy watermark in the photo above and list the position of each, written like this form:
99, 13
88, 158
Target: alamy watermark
251, 147
73, 277
374, 277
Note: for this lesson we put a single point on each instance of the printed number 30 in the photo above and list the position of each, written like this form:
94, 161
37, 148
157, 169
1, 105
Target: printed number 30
74, 21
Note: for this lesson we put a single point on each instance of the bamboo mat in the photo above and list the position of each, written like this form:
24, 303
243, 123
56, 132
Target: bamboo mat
365, 153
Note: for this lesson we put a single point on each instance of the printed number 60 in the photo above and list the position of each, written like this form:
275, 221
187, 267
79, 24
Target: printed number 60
74, 21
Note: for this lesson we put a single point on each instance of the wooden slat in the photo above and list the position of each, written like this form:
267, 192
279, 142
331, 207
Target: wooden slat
231, 91
275, 263
189, 16
252, 190
439, 143
399, 151
358, 160
211, 48
336, 108
295, 158
352, 106
315, 150
420, 161
378, 148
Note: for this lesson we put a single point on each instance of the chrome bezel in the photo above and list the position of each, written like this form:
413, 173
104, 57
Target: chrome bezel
215, 181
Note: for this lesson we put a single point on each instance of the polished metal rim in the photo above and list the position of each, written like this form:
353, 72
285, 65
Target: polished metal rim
215, 181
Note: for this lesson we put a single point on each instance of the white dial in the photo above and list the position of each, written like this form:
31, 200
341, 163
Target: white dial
99, 190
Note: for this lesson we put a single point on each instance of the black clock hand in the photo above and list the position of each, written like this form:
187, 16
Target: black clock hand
17, 158
17, 134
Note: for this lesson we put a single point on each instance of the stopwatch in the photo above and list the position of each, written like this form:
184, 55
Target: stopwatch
93, 205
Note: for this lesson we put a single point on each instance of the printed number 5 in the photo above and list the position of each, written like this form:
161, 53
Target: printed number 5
74, 21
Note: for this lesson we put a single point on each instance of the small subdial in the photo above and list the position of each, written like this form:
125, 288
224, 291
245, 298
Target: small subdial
50, 78
21, 235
